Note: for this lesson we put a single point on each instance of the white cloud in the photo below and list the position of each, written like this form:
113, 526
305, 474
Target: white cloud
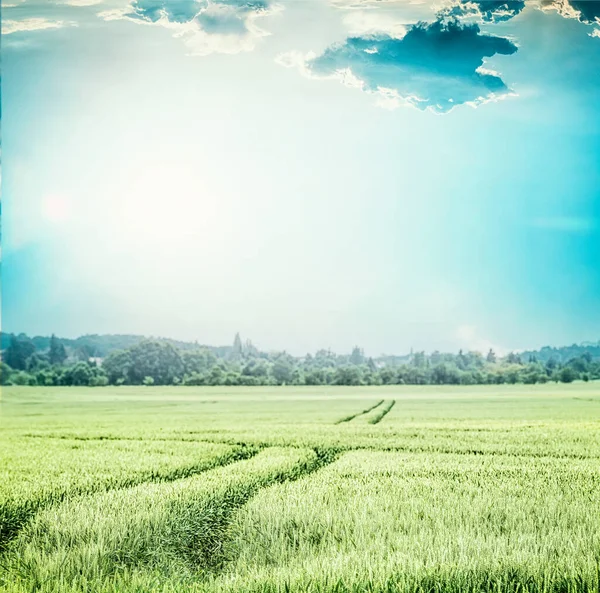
469, 339
363, 22
362, 4
81, 2
563, 7
113, 14
33, 24
216, 28
595, 33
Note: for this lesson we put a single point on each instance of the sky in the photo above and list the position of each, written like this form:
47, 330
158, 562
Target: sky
314, 174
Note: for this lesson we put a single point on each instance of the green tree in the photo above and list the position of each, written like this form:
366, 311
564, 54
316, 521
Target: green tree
419, 360
348, 375
357, 357
198, 361
160, 360
57, 353
117, 365
23, 378
282, 370
5, 374
18, 352
79, 374
513, 358
567, 375
238, 349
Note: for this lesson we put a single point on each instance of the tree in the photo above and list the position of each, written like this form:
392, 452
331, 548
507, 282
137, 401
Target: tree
435, 357
5, 374
159, 360
491, 357
348, 375
256, 368
387, 376
79, 374
567, 375
419, 360
237, 351
357, 357
282, 370
117, 365
315, 377
57, 353
23, 378
215, 376
85, 352
18, 352
445, 374
513, 358
198, 361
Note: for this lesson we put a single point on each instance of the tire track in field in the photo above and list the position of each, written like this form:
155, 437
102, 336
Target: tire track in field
220, 553
353, 416
15, 515
224, 554
383, 412
205, 544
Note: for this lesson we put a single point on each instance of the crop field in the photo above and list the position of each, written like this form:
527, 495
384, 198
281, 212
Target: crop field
325, 490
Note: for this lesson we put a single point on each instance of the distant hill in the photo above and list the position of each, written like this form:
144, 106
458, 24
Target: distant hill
100, 345
564, 353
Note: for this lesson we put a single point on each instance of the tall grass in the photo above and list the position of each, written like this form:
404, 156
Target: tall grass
483, 490
176, 528
35, 472
377, 521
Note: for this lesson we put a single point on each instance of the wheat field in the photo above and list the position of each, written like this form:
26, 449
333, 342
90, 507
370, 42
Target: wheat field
400, 489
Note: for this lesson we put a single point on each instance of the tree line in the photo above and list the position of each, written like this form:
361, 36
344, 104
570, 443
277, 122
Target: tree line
162, 362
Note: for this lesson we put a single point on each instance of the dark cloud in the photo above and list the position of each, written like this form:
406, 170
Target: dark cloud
586, 11
490, 11
434, 66
589, 10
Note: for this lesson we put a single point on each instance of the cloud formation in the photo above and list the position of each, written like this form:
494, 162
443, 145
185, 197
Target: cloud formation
585, 11
205, 26
435, 66
489, 11
81, 2
10, 26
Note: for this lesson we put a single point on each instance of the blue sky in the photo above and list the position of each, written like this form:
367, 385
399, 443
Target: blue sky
310, 173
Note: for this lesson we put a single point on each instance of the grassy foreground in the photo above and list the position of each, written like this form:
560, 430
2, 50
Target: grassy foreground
399, 489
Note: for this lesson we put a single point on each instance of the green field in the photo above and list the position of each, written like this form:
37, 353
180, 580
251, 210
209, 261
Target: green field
365, 489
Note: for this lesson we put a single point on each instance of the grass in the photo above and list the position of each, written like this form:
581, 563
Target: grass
374, 515
480, 489
39, 472
170, 528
